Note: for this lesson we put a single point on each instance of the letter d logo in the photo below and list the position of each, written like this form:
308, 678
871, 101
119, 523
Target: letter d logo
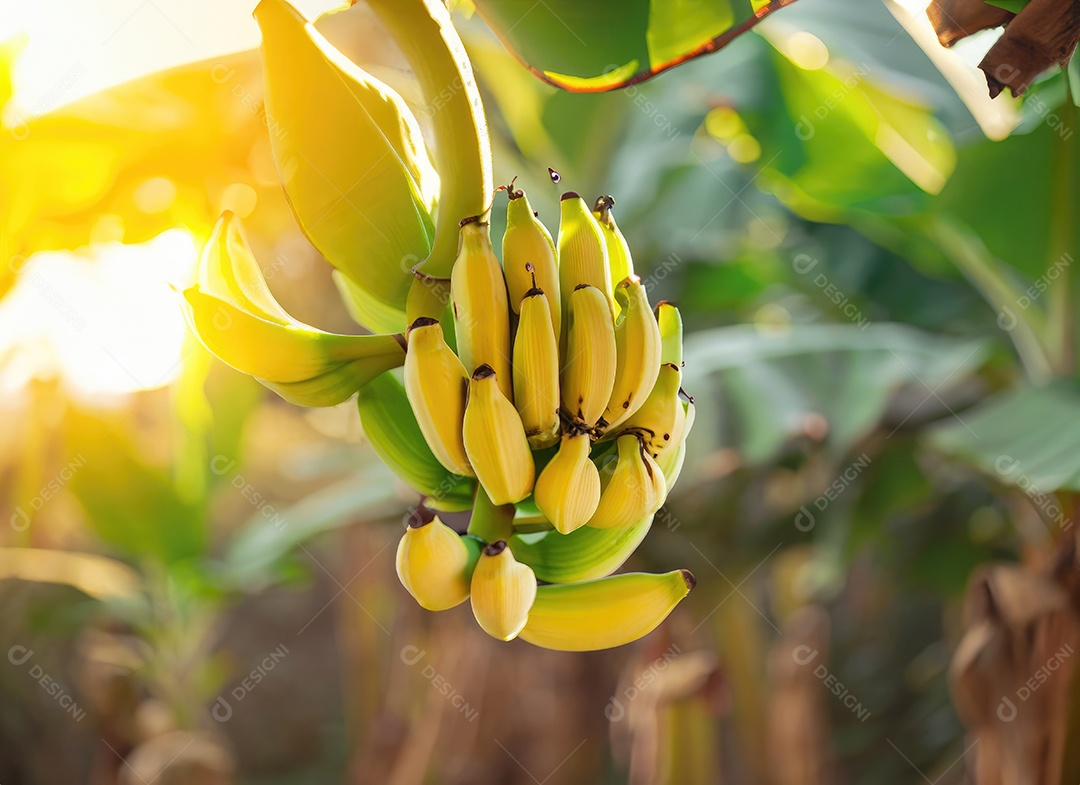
222, 711
804, 521
614, 711
1006, 710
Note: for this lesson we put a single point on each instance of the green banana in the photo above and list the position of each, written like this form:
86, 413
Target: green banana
423, 30
581, 555
603, 613
670, 323
393, 432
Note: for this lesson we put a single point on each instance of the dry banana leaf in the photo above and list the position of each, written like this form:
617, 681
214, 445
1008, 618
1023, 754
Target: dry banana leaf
1043, 34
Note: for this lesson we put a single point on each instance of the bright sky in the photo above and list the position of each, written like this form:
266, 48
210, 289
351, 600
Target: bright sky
77, 47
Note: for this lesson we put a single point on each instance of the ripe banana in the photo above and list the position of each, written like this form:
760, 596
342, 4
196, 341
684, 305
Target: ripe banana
603, 613
671, 461
345, 145
427, 37
435, 564
568, 489
304, 365
481, 315
536, 370
393, 432
638, 348
661, 420
495, 441
581, 555
634, 488
589, 365
671, 333
436, 384
619, 260
503, 590
528, 242
582, 252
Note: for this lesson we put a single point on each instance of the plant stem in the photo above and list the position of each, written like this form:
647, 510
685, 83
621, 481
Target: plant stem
491, 522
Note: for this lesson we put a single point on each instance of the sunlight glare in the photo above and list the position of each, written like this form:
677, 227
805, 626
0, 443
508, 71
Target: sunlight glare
104, 320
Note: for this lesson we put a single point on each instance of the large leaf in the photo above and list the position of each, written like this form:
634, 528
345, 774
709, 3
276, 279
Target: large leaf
772, 384
1027, 438
603, 45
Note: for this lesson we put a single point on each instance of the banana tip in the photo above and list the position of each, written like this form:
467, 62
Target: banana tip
483, 372
688, 579
569, 195
494, 549
423, 321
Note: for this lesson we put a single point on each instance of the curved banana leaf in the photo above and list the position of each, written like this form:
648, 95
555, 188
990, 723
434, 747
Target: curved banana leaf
772, 385
1025, 438
590, 47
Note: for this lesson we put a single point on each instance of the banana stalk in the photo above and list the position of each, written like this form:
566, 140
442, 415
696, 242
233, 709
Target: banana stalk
423, 30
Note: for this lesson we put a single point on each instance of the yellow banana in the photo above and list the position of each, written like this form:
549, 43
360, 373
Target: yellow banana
424, 32
503, 590
435, 564
481, 315
671, 461
634, 487
568, 489
536, 371
495, 441
582, 252
391, 428
588, 372
581, 555
603, 613
619, 260
304, 365
436, 384
234, 315
346, 146
638, 347
670, 323
528, 242
661, 419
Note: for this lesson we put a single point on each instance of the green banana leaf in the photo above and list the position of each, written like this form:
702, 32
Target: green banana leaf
1026, 438
772, 384
605, 44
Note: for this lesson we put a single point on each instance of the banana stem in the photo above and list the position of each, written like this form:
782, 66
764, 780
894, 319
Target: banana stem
491, 522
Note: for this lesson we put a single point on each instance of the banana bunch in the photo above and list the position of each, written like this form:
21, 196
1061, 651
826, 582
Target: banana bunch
561, 399
542, 391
